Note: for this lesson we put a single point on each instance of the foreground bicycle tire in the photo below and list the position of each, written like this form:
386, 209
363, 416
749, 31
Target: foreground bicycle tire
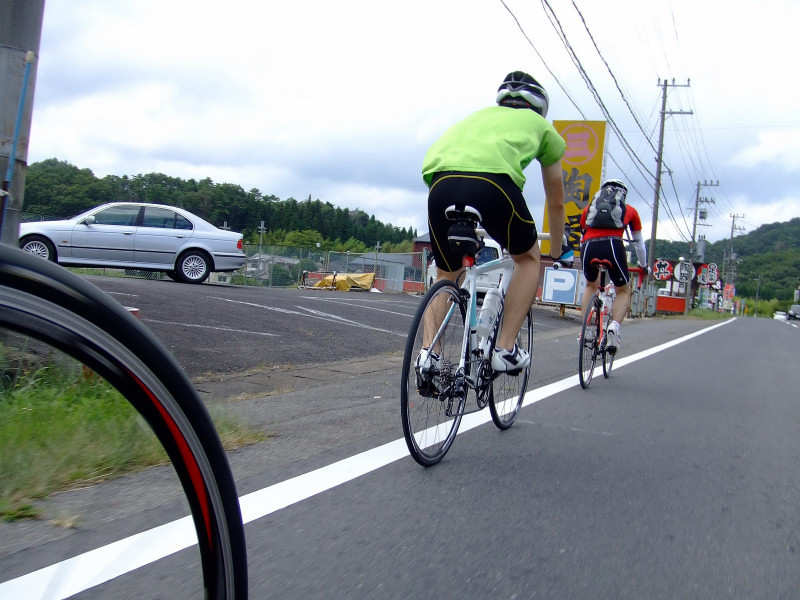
508, 391
587, 356
41, 300
431, 416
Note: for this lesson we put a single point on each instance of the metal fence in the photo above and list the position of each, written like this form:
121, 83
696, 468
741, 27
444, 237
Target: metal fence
285, 266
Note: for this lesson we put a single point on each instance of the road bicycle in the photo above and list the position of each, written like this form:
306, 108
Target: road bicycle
446, 366
592, 340
50, 317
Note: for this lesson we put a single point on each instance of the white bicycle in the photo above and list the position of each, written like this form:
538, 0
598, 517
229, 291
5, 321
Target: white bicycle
447, 369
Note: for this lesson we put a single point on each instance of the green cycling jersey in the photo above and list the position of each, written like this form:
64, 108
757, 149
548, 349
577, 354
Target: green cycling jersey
497, 139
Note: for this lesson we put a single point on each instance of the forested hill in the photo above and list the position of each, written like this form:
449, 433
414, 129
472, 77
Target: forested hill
770, 253
57, 189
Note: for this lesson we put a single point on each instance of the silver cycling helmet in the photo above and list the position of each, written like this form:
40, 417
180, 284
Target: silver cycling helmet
521, 86
617, 185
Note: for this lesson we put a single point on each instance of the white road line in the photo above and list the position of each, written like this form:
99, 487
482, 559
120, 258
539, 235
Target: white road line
210, 327
315, 314
92, 568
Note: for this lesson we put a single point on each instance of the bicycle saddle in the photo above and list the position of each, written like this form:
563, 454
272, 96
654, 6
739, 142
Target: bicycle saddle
601, 262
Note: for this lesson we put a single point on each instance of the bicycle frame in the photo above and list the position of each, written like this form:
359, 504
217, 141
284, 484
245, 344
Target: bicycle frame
505, 265
604, 300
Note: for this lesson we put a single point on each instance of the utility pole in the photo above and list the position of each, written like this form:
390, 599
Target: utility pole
261, 230
729, 273
697, 202
758, 287
20, 35
659, 161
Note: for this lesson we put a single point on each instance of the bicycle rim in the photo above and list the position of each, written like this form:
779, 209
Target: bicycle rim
508, 391
588, 345
608, 363
432, 404
52, 320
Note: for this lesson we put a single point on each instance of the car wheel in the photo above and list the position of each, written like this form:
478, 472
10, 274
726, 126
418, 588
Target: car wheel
40, 246
172, 275
193, 266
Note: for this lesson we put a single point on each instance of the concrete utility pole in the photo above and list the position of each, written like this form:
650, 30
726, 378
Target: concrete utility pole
730, 274
697, 202
20, 34
659, 161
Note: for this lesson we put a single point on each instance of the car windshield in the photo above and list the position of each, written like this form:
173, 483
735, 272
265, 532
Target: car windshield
485, 255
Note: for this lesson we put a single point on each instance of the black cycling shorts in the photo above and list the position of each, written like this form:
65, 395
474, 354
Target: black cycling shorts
505, 213
611, 249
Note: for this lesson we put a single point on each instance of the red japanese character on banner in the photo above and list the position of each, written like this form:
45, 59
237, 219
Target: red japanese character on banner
662, 270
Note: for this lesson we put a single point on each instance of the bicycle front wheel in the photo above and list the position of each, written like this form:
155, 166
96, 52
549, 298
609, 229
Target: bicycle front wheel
508, 391
432, 391
53, 321
590, 334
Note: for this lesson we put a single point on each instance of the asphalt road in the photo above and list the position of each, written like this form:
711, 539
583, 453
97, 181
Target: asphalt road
224, 329
678, 477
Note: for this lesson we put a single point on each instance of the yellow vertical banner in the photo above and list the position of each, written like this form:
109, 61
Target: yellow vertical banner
582, 168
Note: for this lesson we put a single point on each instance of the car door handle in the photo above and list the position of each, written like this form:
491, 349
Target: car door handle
127, 232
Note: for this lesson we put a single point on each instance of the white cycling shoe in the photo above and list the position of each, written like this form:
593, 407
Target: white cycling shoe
510, 361
428, 362
612, 339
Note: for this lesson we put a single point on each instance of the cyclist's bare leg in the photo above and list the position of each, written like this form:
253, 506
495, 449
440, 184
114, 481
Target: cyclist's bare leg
520, 295
621, 304
588, 293
434, 317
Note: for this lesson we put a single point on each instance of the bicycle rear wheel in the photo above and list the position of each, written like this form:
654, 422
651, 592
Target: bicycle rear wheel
432, 400
608, 358
590, 333
51, 318
508, 391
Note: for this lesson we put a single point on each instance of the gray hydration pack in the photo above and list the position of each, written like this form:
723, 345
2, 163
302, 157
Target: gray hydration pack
607, 209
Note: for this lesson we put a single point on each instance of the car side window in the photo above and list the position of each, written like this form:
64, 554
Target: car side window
182, 222
117, 215
160, 218
163, 218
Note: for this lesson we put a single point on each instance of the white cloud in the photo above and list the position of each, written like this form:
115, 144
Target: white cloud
780, 147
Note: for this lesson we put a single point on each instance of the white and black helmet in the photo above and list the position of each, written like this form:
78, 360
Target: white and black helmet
617, 185
521, 86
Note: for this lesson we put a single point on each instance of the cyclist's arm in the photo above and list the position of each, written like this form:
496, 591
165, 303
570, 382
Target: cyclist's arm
554, 198
635, 226
638, 245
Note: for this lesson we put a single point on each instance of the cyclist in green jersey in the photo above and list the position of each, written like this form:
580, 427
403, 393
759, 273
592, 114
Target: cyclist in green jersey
479, 162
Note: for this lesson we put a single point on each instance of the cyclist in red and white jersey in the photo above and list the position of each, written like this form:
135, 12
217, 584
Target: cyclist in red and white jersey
606, 243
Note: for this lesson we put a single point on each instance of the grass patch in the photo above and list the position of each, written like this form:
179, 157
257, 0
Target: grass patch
709, 315
701, 314
60, 429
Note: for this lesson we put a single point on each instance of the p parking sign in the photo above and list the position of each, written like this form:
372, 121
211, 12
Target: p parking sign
562, 286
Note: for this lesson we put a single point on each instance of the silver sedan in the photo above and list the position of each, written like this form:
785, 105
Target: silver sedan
137, 235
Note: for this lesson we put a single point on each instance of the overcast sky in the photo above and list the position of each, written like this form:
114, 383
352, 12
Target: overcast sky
340, 100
